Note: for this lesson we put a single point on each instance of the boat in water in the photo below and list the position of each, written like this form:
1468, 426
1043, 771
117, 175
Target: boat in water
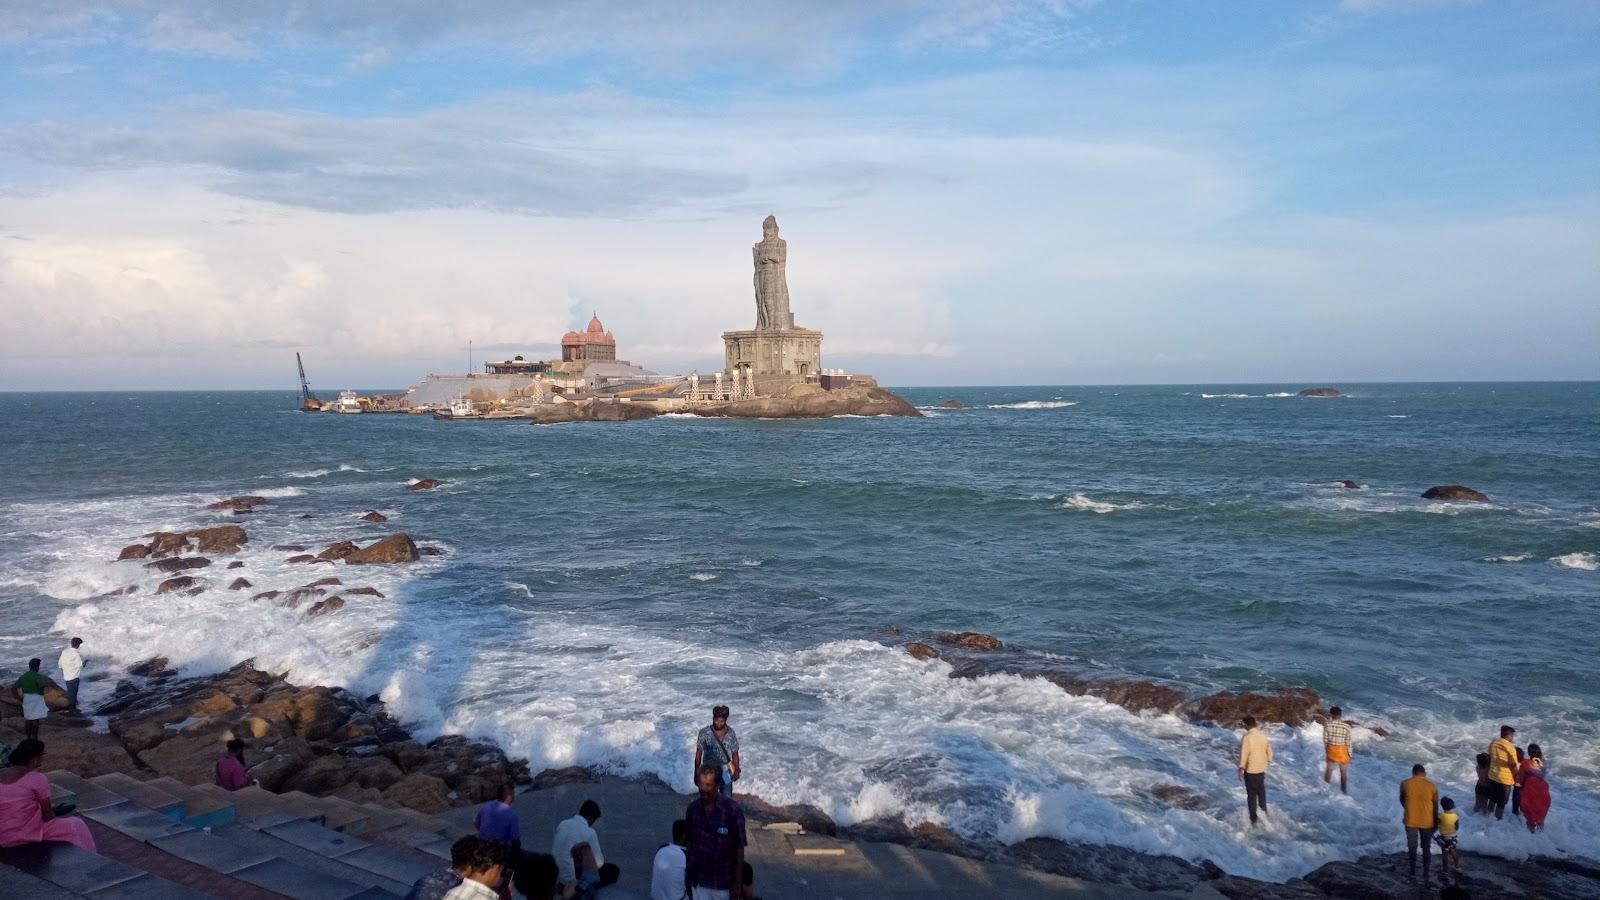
459, 408
349, 402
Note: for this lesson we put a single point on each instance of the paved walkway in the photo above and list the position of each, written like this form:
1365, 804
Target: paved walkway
636, 819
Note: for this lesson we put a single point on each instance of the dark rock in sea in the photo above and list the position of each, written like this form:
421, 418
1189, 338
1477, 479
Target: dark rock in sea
919, 650
154, 667
325, 582
429, 551
1178, 796
308, 515
303, 558
291, 548
178, 564
970, 640
293, 598
890, 630
239, 584
423, 484
374, 516
1290, 706
365, 591
123, 591
337, 550
181, 583
1347, 483
323, 607
267, 595
954, 404
396, 548
812, 402
1454, 492
1109, 865
809, 817
1321, 392
165, 543
1132, 695
245, 503
236, 564
221, 539
134, 551
1487, 878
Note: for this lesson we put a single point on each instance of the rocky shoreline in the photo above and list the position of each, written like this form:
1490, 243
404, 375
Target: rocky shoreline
799, 402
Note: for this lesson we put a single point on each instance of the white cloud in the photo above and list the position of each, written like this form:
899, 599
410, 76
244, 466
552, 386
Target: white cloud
177, 32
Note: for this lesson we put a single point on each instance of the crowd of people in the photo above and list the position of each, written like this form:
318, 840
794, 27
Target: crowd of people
1506, 775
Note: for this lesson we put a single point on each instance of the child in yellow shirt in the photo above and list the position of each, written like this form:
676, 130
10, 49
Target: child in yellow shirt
1445, 837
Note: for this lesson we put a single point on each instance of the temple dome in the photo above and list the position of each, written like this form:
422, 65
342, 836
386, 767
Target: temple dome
594, 325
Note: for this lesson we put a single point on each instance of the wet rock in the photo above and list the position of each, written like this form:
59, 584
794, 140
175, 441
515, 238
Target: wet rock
323, 607
1487, 878
236, 564
1350, 485
971, 640
1320, 392
280, 761
295, 597
1291, 706
429, 551
365, 591
396, 548
221, 539
954, 404
1454, 492
267, 595
239, 584
166, 543
550, 778
1178, 796
423, 793
337, 550
177, 564
423, 484
303, 558
1109, 865
325, 582
919, 650
1132, 695
321, 775
374, 516
122, 591
180, 583
245, 503
291, 548
154, 667
134, 551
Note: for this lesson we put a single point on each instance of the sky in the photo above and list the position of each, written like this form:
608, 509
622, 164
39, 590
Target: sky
973, 192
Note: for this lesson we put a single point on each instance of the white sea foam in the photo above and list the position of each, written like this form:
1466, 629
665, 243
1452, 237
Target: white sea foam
748, 561
1275, 394
1035, 404
1510, 558
279, 493
703, 576
1586, 561
1397, 417
1089, 504
1224, 396
1280, 394
308, 473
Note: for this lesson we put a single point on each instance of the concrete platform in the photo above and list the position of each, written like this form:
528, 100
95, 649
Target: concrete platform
152, 798
136, 821
89, 795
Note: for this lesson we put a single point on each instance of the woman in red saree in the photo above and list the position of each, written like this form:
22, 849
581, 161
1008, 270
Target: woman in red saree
1535, 789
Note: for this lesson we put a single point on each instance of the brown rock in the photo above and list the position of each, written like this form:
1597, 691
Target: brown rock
123, 591
374, 772
1454, 492
81, 751
190, 756
267, 595
236, 565
239, 584
971, 640
322, 775
374, 516
1320, 392
165, 543
1176, 795
1291, 706
221, 539
302, 558
395, 548
176, 564
290, 548
324, 582
239, 504
954, 404
281, 760
429, 551
181, 583
423, 484
423, 793
408, 755
323, 607
154, 667
365, 591
293, 598
337, 550
134, 551
919, 650
1351, 485
1134, 696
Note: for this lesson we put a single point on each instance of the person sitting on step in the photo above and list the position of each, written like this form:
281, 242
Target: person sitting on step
26, 813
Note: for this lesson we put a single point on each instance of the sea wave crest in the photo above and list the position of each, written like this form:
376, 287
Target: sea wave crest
1089, 504
1035, 404
1589, 562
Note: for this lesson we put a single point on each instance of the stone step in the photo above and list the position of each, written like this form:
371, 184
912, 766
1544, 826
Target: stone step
80, 873
246, 836
283, 877
357, 819
16, 883
253, 803
201, 809
89, 794
333, 816
151, 798
389, 862
138, 822
424, 821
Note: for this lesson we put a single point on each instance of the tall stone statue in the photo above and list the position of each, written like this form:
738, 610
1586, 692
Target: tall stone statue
772, 285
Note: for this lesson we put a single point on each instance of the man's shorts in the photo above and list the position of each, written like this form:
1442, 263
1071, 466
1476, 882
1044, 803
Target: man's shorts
1499, 793
1338, 753
1445, 843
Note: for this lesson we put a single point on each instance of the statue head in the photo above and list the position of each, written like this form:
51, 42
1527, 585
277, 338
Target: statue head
769, 228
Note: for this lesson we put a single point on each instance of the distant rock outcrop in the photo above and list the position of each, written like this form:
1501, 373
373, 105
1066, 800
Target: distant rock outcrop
1454, 492
970, 640
953, 404
1350, 485
919, 650
221, 539
134, 551
1321, 392
423, 484
396, 548
374, 516
239, 504
178, 564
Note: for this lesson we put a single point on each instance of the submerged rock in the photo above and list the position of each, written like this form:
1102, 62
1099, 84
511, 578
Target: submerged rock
304, 558
236, 565
239, 504
396, 548
374, 516
1454, 492
1321, 392
239, 584
954, 404
221, 539
1351, 485
1290, 706
181, 583
134, 551
177, 564
971, 640
323, 607
366, 591
423, 484
919, 650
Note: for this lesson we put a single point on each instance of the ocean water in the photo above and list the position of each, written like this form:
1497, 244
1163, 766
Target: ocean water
605, 584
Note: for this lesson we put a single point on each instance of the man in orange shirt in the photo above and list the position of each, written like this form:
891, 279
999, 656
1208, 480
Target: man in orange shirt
1502, 770
1420, 801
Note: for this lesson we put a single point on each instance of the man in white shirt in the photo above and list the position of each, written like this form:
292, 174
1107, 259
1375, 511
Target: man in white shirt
666, 873
71, 663
482, 873
577, 851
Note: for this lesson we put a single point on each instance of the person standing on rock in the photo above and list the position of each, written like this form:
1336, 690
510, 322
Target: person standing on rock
71, 663
1419, 799
1336, 747
717, 745
30, 691
1255, 754
714, 857
1502, 770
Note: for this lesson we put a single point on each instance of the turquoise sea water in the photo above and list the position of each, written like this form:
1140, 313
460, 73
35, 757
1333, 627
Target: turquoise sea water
606, 583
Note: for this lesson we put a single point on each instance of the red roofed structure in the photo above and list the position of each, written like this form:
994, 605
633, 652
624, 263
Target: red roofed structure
593, 343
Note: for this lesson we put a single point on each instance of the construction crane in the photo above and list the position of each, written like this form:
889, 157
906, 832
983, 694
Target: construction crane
308, 400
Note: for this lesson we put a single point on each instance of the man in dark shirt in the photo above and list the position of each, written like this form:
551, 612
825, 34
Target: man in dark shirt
714, 858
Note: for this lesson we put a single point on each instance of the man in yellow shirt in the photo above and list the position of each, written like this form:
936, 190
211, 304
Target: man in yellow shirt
1255, 754
1420, 801
1502, 770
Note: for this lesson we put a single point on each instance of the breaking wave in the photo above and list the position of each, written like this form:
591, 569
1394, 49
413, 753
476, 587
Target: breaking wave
1035, 404
1089, 504
1589, 562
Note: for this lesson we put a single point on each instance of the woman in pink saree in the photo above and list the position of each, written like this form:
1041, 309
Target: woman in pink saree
26, 816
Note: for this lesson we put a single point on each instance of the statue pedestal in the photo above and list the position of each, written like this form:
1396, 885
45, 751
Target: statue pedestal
795, 352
